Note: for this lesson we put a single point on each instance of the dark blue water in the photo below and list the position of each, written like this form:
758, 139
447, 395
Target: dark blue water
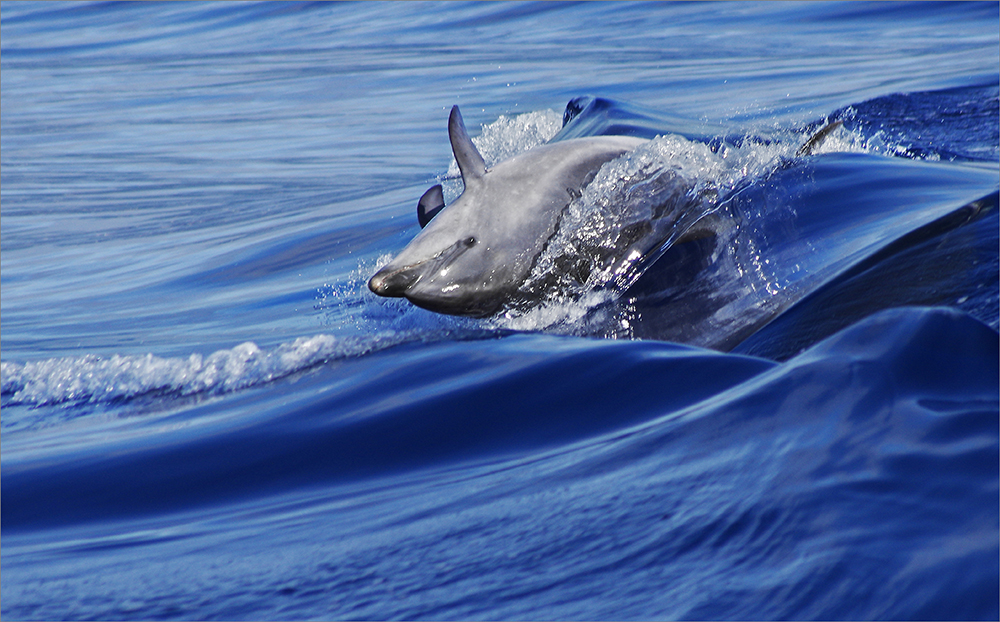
206, 414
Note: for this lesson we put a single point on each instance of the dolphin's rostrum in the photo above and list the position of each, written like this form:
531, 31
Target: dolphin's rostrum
471, 257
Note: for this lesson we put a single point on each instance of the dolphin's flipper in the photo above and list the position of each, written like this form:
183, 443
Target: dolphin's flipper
429, 205
469, 161
817, 139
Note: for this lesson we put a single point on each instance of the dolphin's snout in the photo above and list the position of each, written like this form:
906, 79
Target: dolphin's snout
396, 282
392, 283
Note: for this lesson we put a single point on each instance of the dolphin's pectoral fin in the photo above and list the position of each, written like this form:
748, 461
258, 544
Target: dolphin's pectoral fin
429, 205
469, 161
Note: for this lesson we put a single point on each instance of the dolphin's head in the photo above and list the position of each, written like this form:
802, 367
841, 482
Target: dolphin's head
450, 267
446, 282
474, 257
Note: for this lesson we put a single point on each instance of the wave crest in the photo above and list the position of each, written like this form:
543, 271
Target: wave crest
92, 378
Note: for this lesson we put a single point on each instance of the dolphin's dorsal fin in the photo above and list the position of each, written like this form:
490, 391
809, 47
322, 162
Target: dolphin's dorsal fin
817, 139
429, 205
469, 161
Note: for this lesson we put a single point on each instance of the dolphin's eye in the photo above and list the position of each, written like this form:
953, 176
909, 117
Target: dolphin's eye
470, 241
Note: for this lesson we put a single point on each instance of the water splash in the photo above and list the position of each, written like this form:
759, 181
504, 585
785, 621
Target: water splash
348, 307
636, 207
642, 203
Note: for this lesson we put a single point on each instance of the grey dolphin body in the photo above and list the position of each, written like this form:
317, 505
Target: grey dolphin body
472, 256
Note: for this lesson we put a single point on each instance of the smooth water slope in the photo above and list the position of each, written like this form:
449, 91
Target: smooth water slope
787, 409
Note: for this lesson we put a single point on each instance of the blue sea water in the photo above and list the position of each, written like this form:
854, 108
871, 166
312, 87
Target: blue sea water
206, 414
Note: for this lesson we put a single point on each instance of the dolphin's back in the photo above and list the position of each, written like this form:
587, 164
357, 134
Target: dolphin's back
568, 163
524, 198
531, 190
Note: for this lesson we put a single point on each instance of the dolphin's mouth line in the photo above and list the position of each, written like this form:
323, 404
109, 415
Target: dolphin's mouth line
440, 261
397, 283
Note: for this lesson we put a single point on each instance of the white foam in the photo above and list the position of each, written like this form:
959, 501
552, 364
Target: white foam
362, 323
92, 378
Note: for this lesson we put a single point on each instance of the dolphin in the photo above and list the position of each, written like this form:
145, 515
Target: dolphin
471, 257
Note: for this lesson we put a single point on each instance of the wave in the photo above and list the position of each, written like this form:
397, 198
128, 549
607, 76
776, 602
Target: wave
535, 403
735, 173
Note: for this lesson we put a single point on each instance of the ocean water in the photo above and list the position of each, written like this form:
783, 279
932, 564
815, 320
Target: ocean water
206, 414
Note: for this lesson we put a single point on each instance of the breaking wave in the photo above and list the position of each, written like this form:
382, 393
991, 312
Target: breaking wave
92, 378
